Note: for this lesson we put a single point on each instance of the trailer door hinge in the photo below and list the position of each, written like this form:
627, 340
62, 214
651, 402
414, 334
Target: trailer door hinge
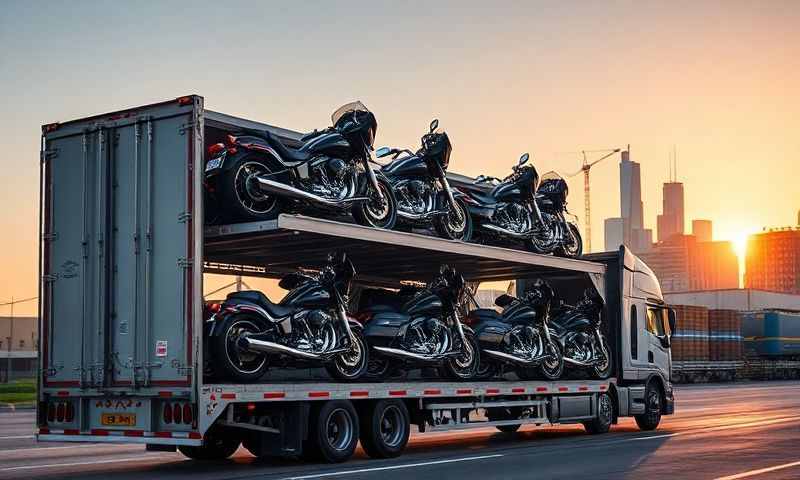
50, 236
184, 217
48, 154
49, 278
186, 127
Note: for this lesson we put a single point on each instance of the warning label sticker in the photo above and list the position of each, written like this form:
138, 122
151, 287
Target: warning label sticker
161, 348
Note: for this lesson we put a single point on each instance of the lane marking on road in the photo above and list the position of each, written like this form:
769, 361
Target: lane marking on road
78, 464
16, 451
393, 467
701, 431
16, 437
752, 473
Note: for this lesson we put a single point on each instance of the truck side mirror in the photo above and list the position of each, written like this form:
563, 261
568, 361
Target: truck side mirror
671, 320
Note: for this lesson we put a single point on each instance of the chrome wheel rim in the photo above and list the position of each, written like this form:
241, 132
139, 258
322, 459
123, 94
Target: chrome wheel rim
352, 361
377, 207
391, 426
457, 219
467, 357
339, 429
551, 363
249, 195
242, 360
604, 409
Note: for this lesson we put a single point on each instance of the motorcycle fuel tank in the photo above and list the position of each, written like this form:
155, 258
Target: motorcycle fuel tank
412, 166
425, 303
507, 192
333, 144
308, 295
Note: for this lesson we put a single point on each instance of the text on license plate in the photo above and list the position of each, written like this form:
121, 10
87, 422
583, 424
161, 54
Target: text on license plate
118, 419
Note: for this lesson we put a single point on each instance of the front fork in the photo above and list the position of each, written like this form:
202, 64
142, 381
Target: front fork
459, 328
344, 319
373, 179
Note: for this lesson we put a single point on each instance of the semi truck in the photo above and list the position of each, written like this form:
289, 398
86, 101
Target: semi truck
123, 254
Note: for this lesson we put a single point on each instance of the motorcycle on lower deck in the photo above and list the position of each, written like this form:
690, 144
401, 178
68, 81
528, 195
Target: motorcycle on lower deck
424, 197
579, 329
425, 331
524, 208
519, 339
256, 177
248, 334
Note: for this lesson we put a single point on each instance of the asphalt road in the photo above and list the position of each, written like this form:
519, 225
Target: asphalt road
719, 432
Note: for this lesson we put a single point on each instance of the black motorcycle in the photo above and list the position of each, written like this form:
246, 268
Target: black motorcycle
519, 339
424, 197
579, 329
422, 331
310, 326
519, 208
256, 177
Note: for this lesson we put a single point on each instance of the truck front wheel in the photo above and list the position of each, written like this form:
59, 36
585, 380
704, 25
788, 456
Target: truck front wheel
385, 426
651, 417
216, 445
332, 432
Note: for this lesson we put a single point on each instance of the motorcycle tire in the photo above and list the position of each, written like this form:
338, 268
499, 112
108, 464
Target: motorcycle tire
573, 251
554, 371
444, 227
238, 199
229, 360
603, 372
459, 368
346, 368
376, 213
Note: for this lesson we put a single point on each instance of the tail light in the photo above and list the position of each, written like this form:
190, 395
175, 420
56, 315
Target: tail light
60, 412
177, 412
69, 414
51, 412
213, 150
167, 413
187, 413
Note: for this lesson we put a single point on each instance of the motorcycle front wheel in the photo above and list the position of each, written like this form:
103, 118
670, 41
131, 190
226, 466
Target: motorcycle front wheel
352, 365
455, 225
603, 370
229, 358
552, 367
377, 212
573, 249
465, 365
240, 199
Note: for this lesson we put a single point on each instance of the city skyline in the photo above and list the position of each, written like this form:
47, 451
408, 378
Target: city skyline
717, 79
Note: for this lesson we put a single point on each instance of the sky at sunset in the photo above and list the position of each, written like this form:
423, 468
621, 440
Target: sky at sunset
719, 80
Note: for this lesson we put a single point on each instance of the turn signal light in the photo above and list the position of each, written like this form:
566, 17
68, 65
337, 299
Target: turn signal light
187, 413
69, 414
167, 413
177, 412
213, 150
60, 412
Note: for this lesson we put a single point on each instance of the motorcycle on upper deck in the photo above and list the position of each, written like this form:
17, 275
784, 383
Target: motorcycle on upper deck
248, 333
256, 177
524, 208
424, 196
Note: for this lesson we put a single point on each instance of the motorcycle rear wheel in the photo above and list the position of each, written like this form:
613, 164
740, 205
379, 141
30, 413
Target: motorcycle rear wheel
239, 197
229, 359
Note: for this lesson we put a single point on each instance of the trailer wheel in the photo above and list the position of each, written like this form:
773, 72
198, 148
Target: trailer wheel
651, 417
332, 432
386, 425
216, 445
605, 415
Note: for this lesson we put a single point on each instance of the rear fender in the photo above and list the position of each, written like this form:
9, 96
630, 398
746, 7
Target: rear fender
249, 144
233, 309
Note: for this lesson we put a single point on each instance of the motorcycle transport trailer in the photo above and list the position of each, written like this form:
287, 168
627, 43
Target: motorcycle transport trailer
122, 256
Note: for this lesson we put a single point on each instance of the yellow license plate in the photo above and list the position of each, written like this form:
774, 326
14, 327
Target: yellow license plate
118, 419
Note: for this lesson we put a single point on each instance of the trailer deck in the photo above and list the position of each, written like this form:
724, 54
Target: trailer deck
385, 257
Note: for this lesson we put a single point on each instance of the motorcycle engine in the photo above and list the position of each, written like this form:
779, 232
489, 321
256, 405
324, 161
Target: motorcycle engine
314, 332
513, 216
414, 196
427, 336
331, 177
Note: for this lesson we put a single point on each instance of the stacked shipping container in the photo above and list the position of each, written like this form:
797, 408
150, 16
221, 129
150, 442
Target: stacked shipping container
724, 335
690, 340
772, 333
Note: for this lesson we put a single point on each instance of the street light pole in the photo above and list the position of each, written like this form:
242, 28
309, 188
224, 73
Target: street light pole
10, 340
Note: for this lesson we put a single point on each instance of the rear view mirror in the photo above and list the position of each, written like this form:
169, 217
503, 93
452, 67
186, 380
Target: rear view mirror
382, 152
671, 320
524, 158
434, 124
503, 300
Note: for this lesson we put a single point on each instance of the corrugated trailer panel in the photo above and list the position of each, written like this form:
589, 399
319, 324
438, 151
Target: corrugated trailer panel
772, 333
117, 248
690, 340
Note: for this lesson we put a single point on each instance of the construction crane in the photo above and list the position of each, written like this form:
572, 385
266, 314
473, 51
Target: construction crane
587, 205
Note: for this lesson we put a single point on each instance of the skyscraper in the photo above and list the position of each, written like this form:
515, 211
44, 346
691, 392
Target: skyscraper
773, 261
685, 263
631, 219
671, 221
702, 230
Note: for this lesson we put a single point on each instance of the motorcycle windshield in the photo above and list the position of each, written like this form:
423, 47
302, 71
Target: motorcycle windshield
351, 107
552, 175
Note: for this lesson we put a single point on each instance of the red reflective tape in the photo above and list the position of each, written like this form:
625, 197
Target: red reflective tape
464, 391
270, 395
319, 394
603, 387
44, 431
396, 393
228, 396
492, 391
434, 391
541, 389
163, 434
72, 431
563, 389
165, 394
195, 435
98, 432
134, 433
518, 390
583, 389
62, 393
359, 393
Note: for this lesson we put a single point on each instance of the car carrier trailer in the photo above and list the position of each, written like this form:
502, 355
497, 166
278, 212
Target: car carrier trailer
123, 253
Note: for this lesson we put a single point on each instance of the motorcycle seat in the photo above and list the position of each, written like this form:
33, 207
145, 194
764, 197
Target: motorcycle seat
254, 296
288, 156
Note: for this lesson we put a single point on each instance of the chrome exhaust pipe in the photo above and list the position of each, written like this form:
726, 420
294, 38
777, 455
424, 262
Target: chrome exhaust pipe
579, 363
276, 348
271, 186
511, 358
403, 354
419, 216
504, 231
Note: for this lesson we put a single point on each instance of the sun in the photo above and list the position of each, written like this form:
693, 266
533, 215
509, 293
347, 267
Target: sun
739, 241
